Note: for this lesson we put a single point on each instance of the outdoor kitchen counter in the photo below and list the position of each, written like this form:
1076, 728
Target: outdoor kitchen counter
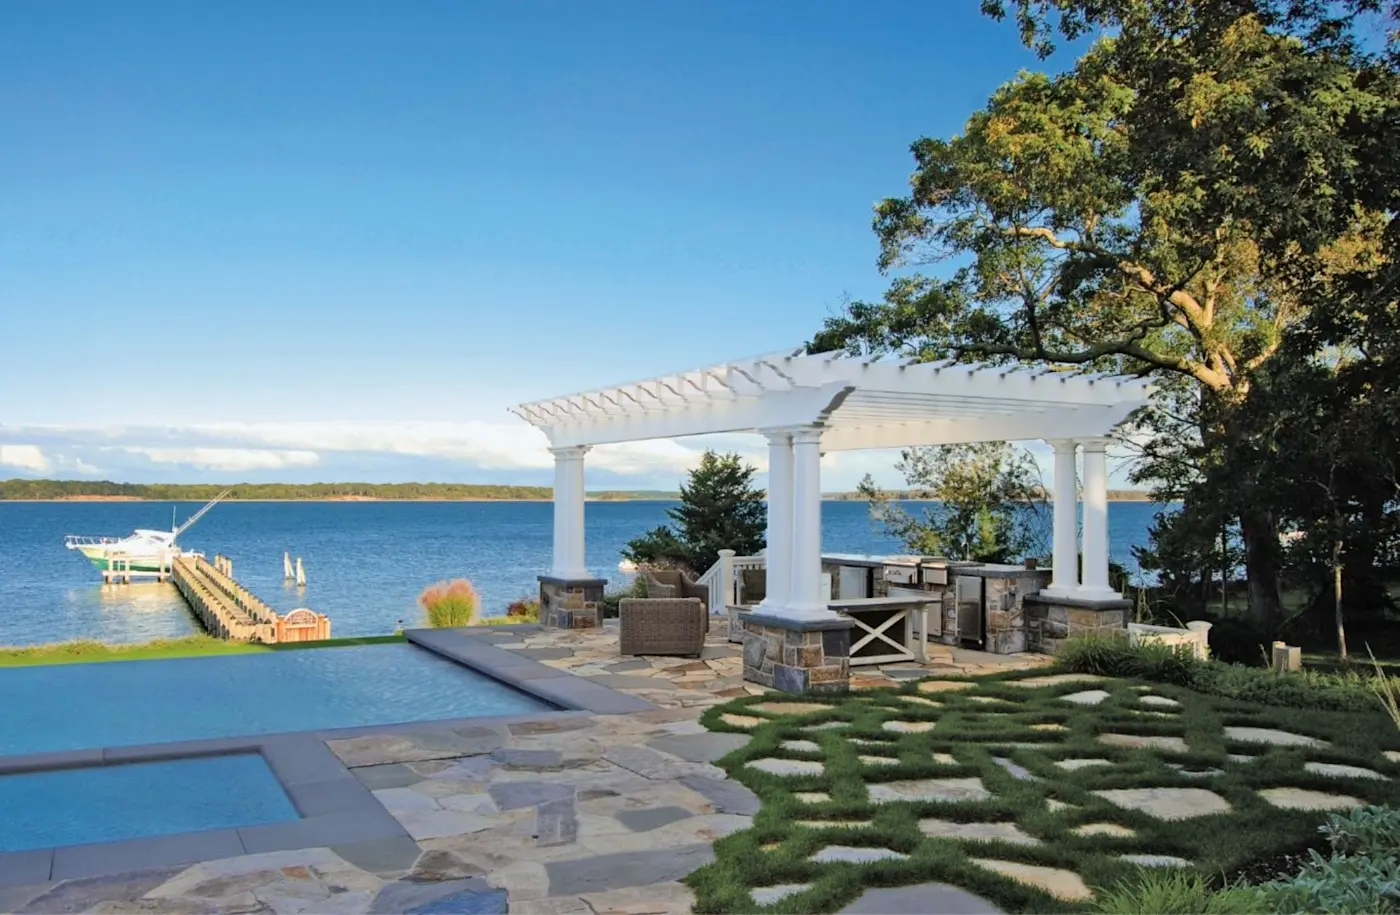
887, 628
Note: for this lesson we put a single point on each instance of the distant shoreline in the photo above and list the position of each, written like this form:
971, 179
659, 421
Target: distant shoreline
826, 497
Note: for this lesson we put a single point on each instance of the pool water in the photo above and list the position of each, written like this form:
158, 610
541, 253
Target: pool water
107, 803
123, 703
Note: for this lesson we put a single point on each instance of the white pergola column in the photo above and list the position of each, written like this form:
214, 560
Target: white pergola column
1095, 584
778, 558
806, 553
568, 512
1065, 560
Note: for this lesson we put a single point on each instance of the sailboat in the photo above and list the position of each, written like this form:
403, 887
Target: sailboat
144, 550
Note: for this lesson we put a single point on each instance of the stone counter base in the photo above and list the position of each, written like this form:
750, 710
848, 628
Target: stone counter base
570, 603
797, 656
1050, 620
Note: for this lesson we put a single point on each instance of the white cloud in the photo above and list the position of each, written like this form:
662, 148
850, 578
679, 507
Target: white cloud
25, 457
231, 459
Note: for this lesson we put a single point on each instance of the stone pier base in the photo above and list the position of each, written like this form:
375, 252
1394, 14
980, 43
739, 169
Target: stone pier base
570, 603
1051, 620
797, 655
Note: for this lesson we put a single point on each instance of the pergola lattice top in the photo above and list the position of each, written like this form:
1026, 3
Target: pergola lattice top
860, 402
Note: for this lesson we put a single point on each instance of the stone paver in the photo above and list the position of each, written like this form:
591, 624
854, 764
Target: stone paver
1083, 762
1303, 799
1104, 829
1273, 736
790, 708
928, 789
1145, 741
1054, 680
908, 727
801, 746
944, 686
976, 832
1015, 770
1087, 697
1049, 726
812, 797
1168, 803
1392, 755
921, 899
851, 854
774, 766
767, 895
702, 747
945, 759
1155, 860
742, 721
1337, 770
1061, 884
920, 700
1159, 702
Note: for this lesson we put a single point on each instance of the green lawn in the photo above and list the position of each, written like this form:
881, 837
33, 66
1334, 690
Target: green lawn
972, 734
192, 646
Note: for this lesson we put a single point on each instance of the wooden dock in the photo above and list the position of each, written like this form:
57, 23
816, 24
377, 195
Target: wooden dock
230, 611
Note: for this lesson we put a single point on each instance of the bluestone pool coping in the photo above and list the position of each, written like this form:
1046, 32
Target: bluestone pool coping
336, 808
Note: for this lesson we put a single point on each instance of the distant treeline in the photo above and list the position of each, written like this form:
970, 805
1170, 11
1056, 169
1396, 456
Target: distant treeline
30, 490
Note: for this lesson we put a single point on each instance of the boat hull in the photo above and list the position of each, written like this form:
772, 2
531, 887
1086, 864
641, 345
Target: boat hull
98, 557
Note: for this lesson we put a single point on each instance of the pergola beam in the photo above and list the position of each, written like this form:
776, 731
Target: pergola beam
1081, 422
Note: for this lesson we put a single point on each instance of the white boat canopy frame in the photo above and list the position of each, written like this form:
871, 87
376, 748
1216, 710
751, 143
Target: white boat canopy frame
808, 404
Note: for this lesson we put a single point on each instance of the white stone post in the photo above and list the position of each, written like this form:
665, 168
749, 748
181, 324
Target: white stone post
806, 553
1095, 584
1065, 561
568, 512
777, 561
727, 597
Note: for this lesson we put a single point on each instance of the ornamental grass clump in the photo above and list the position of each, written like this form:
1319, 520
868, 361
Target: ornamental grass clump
450, 603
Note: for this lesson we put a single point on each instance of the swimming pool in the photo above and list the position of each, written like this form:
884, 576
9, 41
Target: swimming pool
104, 804
124, 703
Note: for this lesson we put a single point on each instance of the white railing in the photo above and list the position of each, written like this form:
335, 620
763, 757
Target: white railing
722, 578
76, 540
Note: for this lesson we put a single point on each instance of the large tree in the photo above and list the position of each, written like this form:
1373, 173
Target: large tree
1163, 207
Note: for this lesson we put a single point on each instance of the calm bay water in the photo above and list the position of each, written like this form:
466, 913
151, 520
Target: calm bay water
366, 562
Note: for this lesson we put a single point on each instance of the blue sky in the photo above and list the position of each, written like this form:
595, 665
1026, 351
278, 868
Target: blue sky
336, 240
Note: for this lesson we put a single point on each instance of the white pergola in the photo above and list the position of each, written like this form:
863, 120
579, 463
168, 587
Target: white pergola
806, 405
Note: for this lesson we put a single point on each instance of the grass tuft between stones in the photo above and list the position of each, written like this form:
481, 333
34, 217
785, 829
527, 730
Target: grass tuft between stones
1044, 801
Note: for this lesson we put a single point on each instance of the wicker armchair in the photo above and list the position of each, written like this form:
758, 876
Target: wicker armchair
667, 625
683, 585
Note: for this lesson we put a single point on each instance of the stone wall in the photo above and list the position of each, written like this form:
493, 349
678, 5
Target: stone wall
570, 603
1006, 631
795, 659
1049, 621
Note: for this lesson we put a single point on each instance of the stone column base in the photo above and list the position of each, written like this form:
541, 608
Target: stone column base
736, 616
803, 656
1051, 619
570, 603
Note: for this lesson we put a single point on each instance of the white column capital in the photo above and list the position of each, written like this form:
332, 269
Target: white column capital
1095, 445
807, 435
779, 436
1063, 445
569, 452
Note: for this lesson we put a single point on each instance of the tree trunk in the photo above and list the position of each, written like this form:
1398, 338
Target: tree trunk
1337, 598
1259, 531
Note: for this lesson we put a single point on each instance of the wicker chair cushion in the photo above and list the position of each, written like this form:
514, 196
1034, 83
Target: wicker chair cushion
656, 590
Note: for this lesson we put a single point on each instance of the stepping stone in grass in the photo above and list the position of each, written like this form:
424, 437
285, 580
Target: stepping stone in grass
945, 759
1145, 742
1104, 829
790, 708
812, 797
976, 832
828, 726
1168, 803
1049, 727
988, 700
833, 824
1015, 770
1241, 758
1062, 884
1392, 755
919, 900
1303, 799
774, 766
878, 760
1336, 770
1082, 762
944, 686
1275, 737
870, 742
770, 846
801, 746
1058, 806
767, 895
920, 700
1195, 771
908, 727
855, 855
741, 721
1159, 702
929, 789
1087, 697
1054, 680
1155, 860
